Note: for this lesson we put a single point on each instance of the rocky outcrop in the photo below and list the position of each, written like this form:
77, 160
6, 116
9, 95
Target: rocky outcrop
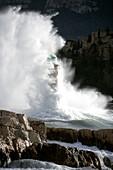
39, 127
62, 155
95, 51
103, 138
23, 138
15, 135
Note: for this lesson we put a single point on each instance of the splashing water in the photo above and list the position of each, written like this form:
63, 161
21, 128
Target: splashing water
74, 100
26, 40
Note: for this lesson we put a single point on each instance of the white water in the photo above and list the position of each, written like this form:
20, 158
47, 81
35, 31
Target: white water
26, 40
39, 165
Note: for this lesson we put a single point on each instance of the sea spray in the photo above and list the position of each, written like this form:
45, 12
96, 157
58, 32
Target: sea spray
26, 41
77, 103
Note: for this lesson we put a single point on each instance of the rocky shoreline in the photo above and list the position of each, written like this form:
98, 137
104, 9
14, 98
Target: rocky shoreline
103, 138
24, 138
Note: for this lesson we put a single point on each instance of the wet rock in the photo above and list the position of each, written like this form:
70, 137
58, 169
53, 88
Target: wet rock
104, 139
62, 134
107, 161
85, 136
62, 155
21, 138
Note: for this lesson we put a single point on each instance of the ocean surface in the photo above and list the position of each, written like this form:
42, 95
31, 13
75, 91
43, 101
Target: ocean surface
82, 124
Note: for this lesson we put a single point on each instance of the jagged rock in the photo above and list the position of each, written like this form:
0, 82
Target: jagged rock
24, 120
11, 119
21, 137
34, 137
62, 134
39, 127
15, 135
95, 50
62, 155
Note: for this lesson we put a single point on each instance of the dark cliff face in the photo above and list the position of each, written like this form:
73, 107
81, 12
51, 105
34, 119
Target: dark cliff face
93, 62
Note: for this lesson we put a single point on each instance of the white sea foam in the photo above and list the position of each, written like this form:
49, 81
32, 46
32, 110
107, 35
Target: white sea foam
79, 104
26, 40
39, 165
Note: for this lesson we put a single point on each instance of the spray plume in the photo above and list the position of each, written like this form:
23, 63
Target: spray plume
26, 40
